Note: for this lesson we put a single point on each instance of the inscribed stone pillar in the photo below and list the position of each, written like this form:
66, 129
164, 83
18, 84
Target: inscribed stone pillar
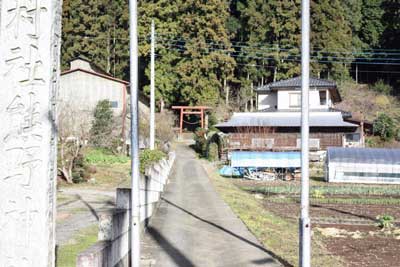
29, 73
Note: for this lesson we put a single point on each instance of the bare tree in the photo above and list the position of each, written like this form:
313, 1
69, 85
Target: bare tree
73, 133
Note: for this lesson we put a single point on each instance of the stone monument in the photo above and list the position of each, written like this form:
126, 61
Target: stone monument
30, 32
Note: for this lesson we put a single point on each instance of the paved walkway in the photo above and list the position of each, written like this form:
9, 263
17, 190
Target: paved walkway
194, 227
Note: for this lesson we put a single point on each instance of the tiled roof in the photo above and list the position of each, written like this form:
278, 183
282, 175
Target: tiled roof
284, 119
296, 83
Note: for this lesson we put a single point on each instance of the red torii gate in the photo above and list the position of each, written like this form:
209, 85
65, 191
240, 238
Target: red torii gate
187, 110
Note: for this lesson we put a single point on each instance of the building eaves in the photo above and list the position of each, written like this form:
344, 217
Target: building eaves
96, 74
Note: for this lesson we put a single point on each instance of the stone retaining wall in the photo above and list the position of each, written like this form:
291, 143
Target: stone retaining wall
113, 246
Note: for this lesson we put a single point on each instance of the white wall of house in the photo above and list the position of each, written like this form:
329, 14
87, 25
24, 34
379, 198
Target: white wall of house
291, 100
267, 101
82, 91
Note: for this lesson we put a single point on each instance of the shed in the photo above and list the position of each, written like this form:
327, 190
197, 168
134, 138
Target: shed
363, 165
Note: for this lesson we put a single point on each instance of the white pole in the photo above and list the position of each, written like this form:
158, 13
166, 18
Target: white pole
135, 205
305, 226
152, 88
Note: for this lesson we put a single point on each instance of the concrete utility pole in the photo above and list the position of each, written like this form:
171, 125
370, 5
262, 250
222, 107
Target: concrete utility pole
152, 88
135, 205
305, 226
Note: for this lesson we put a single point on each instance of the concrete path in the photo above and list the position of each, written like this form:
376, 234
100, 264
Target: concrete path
194, 227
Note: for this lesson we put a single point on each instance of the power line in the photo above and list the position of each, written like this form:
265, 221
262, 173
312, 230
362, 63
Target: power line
183, 48
268, 47
298, 60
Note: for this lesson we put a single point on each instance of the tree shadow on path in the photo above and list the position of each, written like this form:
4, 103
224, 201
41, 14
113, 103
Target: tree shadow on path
281, 260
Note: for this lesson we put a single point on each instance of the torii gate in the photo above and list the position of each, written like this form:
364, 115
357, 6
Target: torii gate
187, 110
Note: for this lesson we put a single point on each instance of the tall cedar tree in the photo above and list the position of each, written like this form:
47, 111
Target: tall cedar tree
206, 60
97, 30
330, 32
167, 17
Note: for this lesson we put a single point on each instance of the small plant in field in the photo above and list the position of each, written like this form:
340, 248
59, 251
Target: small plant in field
385, 221
318, 194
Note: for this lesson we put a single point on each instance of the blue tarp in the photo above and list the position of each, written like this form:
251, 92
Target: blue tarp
228, 171
265, 159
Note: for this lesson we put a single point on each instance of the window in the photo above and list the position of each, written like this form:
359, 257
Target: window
322, 98
353, 137
294, 100
114, 104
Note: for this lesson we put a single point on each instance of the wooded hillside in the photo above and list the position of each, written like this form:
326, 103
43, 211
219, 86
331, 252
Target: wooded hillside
215, 51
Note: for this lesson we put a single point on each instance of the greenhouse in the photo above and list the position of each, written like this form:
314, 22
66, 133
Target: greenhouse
363, 165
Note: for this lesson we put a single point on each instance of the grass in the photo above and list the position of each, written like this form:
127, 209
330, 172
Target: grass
350, 201
101, 156
66, 254
294, 189
278, 235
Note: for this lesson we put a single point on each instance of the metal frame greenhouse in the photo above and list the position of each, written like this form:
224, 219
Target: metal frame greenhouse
363, 165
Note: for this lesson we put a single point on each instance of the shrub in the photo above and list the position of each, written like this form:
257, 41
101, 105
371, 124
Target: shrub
103, 156
101, 131
148, 157
381, 87
200, 138
384, 127
385, 221
81, 171
213, 152
382, 101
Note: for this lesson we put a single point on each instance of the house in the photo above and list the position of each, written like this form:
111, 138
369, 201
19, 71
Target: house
277, 123
85, 84
286, 95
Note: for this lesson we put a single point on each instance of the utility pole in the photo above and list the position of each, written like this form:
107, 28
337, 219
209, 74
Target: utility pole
152, 88
135, 205
305, 226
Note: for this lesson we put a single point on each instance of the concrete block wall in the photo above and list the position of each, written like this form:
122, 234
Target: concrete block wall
113, 246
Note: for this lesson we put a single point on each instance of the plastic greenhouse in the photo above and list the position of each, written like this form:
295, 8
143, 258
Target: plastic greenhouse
363, 165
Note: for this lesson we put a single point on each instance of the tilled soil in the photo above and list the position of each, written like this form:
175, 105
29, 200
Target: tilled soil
339, 211
369, 251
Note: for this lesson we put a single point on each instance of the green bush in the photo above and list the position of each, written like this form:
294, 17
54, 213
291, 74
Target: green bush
101, 131
381, 87
213, 152
148, 157
384, 127
102, 156
81, 171
200, 138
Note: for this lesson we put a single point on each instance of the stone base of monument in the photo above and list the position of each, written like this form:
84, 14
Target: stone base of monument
113, 247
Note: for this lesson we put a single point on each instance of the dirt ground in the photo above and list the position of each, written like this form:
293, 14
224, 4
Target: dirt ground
349, 231
356, 212
363, 245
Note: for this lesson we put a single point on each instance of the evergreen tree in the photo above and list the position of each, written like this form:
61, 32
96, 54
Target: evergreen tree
204, 66
371, 26
167, 18
330, 32
98, 31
